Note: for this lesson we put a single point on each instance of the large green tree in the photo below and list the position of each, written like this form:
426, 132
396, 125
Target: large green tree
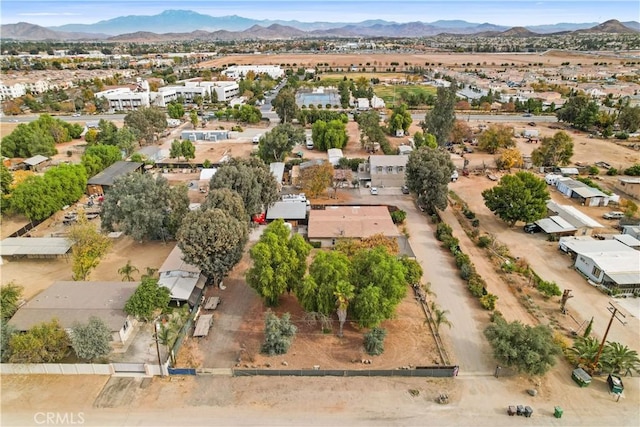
495, 138
277, 262
380, 284
400, 119
629, 118
326, 135
554, 151
44, 343
148, 299
92, 339
580, 111
175, 110
98, 157
38, 137
428, 175
214, 240
285, 105
251, 179
329, 271
277, 144
147, 123
528, 349
227, 200
439, 120
143, 207
519, 197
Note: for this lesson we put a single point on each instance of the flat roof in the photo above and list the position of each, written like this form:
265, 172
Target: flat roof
574, 216
109, 175
628, 240
182, 285
207, 173
288, 210
17, 246
175, 262
35, 160
387, 160
350, 222
72, 302
555, 224
277, 170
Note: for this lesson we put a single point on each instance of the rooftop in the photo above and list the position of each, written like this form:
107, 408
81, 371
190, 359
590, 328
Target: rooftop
72, 302
351, 222
109, 175
24, 246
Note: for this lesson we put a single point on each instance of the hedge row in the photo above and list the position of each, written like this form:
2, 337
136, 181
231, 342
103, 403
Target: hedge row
475, 283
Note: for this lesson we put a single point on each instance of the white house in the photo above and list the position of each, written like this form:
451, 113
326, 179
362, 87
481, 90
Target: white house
609, 263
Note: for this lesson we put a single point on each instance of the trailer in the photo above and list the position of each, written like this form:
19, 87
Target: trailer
203, 325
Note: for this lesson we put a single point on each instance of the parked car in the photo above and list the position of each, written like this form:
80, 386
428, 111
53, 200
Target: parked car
256, 139
374, 191
532, 228
405, 189
613, 215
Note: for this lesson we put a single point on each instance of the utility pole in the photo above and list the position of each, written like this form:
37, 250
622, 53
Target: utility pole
614, 315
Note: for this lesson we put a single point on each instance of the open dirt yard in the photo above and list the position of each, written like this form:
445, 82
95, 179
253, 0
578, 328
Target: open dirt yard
384, 59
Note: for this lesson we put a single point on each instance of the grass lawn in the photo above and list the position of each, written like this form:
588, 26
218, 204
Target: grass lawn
389, 93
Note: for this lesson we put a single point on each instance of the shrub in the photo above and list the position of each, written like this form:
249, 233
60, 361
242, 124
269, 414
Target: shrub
466, 270
549, 289
398, 216
374, 341
612, 172
484, 241
462, 259
488, 301
476, 285
633, 170
507, 267
593, 170
316, 245
475, 222
469, 214
622, 135
278, 334
442, 231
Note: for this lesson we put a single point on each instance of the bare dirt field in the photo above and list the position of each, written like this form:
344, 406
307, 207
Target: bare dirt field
384, 59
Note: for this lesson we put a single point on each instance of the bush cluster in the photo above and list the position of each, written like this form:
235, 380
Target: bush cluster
475, 283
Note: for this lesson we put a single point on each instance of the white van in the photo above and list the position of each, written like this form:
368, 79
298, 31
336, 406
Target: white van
256, 139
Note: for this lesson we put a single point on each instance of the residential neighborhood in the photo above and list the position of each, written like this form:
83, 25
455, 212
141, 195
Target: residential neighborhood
213, 224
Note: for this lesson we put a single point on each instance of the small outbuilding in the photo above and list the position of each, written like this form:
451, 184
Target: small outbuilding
185, 281
100, 183
35, 247
36, 163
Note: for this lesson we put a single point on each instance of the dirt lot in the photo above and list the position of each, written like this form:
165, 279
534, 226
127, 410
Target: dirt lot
384, 59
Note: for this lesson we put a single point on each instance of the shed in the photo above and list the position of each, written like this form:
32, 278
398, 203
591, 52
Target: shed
36, 162
556, 225
100, 183
34, 247
185, 281
293, 210
583, 223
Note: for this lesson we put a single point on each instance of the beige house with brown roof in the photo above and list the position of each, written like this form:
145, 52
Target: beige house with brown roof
72, 302
332, 223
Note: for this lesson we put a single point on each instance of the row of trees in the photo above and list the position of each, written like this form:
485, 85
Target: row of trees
39, 137
584, 113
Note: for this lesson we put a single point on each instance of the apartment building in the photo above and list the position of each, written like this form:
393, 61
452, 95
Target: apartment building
236, 72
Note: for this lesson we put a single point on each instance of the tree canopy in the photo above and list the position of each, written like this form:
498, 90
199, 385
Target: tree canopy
213, 239
428, 175
580, 111
285, 105
143, 207
227, 200
530, 350
315, 179
146, 122
277, 144
148, 299
10, 295
329, 271
88, 247
496, 137
554, 151
38, 137
184, 148
98, 157
400, 119
519, 197
251, 179
326, 135
279, 262
44, 343
439, 120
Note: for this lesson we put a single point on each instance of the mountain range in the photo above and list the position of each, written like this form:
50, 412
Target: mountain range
185, 25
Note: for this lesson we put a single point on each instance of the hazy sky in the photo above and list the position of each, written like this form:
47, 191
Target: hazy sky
506, 12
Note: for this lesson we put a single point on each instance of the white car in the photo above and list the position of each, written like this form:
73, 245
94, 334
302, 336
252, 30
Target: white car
256, 139
76, 115
613, 215
374, 191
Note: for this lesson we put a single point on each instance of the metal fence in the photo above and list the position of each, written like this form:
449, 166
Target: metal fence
426, 371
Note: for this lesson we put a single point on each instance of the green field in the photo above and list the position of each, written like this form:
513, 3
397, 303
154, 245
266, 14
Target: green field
391, 93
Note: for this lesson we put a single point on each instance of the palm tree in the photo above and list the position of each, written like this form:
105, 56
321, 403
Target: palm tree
127, 272
344, 293
440, 317
584, 351
167, 336
618, 359
150, 272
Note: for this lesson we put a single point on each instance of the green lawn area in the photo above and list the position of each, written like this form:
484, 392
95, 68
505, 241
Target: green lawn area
389, 93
